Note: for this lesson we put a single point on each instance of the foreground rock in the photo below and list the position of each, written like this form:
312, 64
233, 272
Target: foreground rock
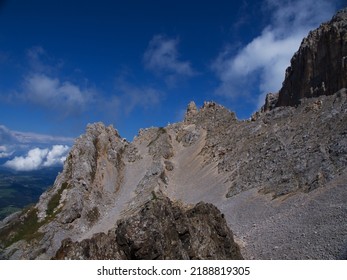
161, 230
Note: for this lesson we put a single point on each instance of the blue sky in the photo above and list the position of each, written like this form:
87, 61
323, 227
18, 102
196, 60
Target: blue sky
136, 64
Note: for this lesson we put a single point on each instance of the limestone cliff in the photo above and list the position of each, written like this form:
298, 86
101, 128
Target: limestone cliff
319, 67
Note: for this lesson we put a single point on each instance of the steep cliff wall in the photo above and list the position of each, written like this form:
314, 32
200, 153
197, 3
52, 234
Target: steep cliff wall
319, 67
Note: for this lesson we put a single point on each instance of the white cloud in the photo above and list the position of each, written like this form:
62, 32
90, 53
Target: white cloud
32, 161
56, 156
42, 85
162, 58
16, 142
38, 158
52, 93
5, 151
36, 138
263, 61
12, 137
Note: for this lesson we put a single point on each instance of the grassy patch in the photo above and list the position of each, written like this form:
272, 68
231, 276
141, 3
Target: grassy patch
53, 203
25, 228
27, 225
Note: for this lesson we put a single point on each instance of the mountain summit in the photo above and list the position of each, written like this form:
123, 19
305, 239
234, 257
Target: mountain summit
211, 186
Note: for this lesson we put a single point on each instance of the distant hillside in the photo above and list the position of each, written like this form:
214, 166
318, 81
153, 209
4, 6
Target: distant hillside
19, 189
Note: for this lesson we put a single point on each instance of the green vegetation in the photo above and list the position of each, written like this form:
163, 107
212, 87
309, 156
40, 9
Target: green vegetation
27, 225
53, 203
25, 228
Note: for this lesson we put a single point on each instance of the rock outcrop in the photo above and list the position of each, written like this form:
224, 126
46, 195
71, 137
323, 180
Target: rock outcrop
160, 230
319, 67
271, 100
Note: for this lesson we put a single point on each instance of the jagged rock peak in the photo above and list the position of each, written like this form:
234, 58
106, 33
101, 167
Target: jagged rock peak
192, 110
95, 129
319, 67
192, 107
208, 114
340, 16
271, 100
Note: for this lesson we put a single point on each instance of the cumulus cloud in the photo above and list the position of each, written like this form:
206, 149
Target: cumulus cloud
43, 86
54, 94
56, 156
38, 158
32, 161
262, 62
18, 143
162, 57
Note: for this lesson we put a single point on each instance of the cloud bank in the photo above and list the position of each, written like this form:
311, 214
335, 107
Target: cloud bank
262, 62
38, 158
13, 137
162, 57
40, 150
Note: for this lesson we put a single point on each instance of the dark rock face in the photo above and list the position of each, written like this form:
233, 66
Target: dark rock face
160, 230
319, 67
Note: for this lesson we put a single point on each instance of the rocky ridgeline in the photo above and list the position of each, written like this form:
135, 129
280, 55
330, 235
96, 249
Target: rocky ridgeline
280, 174
284, 150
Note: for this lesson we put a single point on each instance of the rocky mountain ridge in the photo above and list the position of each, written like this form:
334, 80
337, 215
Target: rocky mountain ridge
278, 180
